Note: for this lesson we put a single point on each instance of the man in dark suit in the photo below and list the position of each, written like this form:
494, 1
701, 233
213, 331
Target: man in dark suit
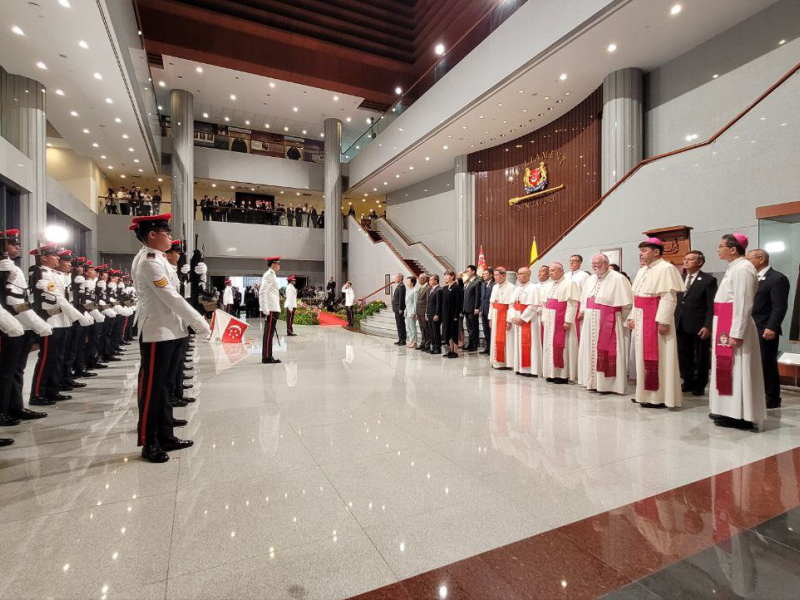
421, 311
434, 316
331, 289
399, 309
694, 317
769, 309
472, 307
486, 294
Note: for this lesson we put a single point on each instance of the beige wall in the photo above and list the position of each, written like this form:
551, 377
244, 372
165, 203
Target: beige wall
80, 176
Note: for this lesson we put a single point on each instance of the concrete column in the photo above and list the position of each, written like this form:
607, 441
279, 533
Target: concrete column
465, 215
22, 110
333, 201
182, 122
622, 137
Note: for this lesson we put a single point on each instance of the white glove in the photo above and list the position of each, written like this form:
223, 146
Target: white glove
41, 328
206, 330
42, 284
101, 284
201, 269
109, 313
98, 318
7, 264
86, 320
9, 325
79, 279
185, 269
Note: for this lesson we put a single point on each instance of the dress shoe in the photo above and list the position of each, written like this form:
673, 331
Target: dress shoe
85, 374
560, 381
98, 365
111, 358
485, 352
153, 453
5, 442
188, 399
66, 388
75, 384
269, 361
8, 420
178, 403
176, 444
26, 414
187, 386
651, 405
502, 368
714, 417
436, 351
698, 392
734, 424
451, 355
40, 401
291, 335
773, 403
59, 397
179, 422
549, 380
185, 368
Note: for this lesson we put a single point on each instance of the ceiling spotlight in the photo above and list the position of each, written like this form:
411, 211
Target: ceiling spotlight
675, 9
715, 76
64, 3
398, 90
374, 189
141, 170
563, 77
445, 147
427, 158
266, 125
199, 69
98, 76
109, 101
233, 96
160, 107
117, 120
612, 48
41, 65
130, 149
95, 145
16, 29
85, 130
136, 160
122, 176
304, 132
499, 104
781, 43
162, 84
411, 168
567, 93
285, 128
321, 135
59, 92
246, 122
336, 98
397, 176
49, 145
160, 180
124, 136
227, 119
103, 156
295, 109
439, 50
385, 183
348, 119
272, 84
110, 167
233, 187
205, 115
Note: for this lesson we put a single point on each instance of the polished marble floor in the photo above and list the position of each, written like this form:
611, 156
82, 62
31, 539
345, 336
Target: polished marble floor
350, 466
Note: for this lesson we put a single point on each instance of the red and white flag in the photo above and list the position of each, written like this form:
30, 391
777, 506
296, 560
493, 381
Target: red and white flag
482, 266
226, 328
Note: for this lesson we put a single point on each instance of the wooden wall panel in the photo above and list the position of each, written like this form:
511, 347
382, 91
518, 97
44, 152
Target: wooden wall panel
571, 146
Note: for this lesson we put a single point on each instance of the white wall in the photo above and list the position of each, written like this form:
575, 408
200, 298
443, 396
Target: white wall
368, 263
425, 212
714, 189
260, 170
683, 98
62, 199
15, 166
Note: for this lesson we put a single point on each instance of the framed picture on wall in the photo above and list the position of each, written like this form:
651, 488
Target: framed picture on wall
614, 256
388, 280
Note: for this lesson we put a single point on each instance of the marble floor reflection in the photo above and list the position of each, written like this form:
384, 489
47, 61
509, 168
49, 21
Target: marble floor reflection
350, 466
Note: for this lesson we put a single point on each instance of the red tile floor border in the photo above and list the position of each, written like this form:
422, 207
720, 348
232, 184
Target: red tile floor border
595, 556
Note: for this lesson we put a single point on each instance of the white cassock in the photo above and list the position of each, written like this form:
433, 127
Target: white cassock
737, 382
603, 352
527, 337
655, 289
579, 277
501, 312
560, 345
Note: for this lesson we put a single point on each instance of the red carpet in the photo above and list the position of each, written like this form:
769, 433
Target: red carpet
329, 320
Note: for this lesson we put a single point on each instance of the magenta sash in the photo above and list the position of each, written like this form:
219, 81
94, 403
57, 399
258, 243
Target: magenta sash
559, 333
649, 308
723, 352
606, 337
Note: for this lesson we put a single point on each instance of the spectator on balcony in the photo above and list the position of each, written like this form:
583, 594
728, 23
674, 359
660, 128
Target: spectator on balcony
157, 201
134, 202
314, 217
298, 216
290, 215
110, 204
351, 212
306, 216
147, 202
321, 219
205, 208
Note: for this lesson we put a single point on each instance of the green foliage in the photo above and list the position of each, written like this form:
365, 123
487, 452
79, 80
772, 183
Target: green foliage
303, 315
362, 313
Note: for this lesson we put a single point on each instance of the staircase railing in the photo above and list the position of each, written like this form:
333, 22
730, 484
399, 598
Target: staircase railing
446, 266
387, 242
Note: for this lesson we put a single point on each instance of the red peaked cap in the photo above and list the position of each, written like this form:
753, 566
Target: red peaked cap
273, 259
12, 235
175, 247
89, 264
291, 278
50, 248
152, 220
65, 254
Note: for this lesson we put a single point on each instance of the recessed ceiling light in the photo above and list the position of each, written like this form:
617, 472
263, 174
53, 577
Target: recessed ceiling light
463, 127
374, 189
427, 158
117, 120
304, 132
64, 3
85, 130
524, 110
49, 145
95, 145
160, 107
348, 119
272, 84
295, 109
611, 48
199, 69
675, 9
715, 76
141, 170
285, 128
233, 96
385, 183
130, 149
398, 90
205, 115
411, 168
246, 122
336, 98
122, 176
110, 167
59, 92
103, 156
136, 160
98, 76
41, 65
83, 45
124, 136
567, 93
162, 84
213, 185
781, 43
499, 104
439, 49
109, 101
160, 180
227, 119
563, 77
445, 147
521, 92
16, 29
234, 187
266, 125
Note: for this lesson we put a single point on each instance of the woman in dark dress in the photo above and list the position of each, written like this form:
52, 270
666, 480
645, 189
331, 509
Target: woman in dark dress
452, 305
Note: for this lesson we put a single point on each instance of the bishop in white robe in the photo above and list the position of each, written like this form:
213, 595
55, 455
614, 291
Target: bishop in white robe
655, 291
527, 336
737, 382
501, 311
603, 353
560, 341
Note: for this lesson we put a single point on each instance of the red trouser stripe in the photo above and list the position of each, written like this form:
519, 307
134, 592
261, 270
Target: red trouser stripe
41, 365
149, 390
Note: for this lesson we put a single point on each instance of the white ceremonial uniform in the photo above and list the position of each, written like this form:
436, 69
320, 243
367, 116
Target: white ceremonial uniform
91, 285
738, 287
610, 293
349, 296
17, 296
501, 355
663, 281
269, 296
526, 307
291, 297
563, 290
52, 287
227, 296
163, 315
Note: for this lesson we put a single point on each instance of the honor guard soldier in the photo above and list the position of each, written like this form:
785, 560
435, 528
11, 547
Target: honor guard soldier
93, 357
177, 398
291, 306
76, 330
163, 321
270, 300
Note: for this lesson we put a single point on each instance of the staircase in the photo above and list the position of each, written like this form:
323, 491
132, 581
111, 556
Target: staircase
416, 266
380, 324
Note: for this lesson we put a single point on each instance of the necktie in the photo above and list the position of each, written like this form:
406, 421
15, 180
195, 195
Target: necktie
689, 282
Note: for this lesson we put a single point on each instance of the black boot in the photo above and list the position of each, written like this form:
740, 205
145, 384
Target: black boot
153, 453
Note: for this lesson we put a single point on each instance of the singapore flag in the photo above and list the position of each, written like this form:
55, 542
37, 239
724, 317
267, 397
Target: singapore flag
226, 328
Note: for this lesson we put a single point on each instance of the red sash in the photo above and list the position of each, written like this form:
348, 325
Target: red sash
559, 333
723, 353
500, 331
606, 337
649, 308
526, 337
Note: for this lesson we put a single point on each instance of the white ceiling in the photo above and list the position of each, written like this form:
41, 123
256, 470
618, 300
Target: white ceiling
260, 100
52, 35
646, 35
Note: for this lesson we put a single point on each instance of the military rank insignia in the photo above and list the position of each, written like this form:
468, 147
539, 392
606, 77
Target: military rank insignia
161, 282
